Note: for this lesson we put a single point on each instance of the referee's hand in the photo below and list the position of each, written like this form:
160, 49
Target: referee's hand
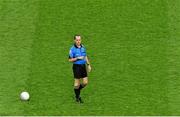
80, 57
89, 68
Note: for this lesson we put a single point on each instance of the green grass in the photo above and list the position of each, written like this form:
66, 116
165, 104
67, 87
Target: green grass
133, 46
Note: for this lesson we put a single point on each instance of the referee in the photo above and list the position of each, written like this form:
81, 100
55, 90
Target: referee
77, 55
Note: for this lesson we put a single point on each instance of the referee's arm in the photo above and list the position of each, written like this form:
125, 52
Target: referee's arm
87, 60
72, 59
88, 64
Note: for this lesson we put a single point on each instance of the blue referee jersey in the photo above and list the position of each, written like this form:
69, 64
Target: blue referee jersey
77, 52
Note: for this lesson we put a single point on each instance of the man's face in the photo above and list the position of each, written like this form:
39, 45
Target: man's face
78, 40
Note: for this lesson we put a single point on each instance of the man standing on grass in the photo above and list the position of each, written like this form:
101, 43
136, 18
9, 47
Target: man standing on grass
77, 55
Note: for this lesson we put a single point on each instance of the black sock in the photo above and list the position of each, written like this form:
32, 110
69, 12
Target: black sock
77, 92
81, 86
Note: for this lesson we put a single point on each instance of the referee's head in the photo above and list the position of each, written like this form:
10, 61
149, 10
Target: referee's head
77, 40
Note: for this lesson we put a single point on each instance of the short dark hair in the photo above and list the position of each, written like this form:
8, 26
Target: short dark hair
76, 36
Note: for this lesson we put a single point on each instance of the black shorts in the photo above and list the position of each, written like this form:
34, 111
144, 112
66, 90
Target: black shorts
79, 71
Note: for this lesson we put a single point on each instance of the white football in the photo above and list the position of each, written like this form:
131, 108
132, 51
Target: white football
24, 96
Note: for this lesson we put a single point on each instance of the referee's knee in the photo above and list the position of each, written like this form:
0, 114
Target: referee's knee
85, 83
76, 86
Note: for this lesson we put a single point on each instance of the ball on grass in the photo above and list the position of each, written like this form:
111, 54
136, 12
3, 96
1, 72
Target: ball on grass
24, 96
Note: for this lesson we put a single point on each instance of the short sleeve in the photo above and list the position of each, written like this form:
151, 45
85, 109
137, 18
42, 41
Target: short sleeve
84, 51
70, 53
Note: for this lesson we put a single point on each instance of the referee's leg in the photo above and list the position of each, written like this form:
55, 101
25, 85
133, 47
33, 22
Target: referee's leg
84, 83
76, 88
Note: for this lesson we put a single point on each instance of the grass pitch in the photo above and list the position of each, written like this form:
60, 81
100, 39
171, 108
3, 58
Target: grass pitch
133, 46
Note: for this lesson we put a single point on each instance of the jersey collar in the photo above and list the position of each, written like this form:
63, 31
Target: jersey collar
76, 45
